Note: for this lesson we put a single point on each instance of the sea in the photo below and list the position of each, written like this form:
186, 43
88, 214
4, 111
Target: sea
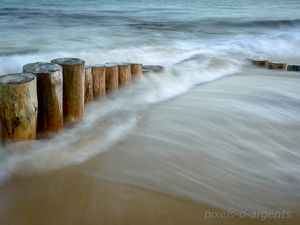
210, 128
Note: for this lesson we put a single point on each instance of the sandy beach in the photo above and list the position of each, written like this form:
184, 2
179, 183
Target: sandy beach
70, 197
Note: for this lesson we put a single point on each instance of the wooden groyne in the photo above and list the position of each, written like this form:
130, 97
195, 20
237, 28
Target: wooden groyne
275, 65
50, 95
47, 96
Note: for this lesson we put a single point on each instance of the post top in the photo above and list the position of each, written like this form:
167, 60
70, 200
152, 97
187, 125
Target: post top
124, 64
117, 64
68, 61
17, 78
111, 64
135, 64
259, 60
278, 63
41, 68
97, 66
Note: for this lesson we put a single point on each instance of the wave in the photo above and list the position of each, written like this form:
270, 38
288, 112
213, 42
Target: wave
106, 123
214, 26
259, 23
161, 50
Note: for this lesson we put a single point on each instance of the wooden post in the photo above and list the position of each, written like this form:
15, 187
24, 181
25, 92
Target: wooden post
88, 87
260, 63
111, 77
277, 66
18, 107
50, 96
73, 88
124, 74
98, 72
293, 67
136, 71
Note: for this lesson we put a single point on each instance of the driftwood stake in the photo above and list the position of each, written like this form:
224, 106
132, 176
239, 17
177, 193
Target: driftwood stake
73, 88
88, 87
19, 104
111, 77
50, 96
98, 73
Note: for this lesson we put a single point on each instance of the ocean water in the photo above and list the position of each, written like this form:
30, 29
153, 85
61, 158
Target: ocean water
195, 130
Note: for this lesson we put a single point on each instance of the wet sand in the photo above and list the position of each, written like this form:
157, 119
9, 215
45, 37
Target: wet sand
70, 196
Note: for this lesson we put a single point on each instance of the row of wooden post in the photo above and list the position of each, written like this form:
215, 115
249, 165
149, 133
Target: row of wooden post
275, 66
48, 96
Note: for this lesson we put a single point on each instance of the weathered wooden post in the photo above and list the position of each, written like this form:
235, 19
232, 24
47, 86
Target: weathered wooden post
18, 107
124, 74
50, 96
88, 87
136, 71
277, 66
98, 73
73, 88
111, 77
260, 63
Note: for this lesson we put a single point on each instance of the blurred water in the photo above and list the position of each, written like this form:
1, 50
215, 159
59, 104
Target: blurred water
231, 144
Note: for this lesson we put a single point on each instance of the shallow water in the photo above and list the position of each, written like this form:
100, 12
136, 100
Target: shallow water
231, 143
